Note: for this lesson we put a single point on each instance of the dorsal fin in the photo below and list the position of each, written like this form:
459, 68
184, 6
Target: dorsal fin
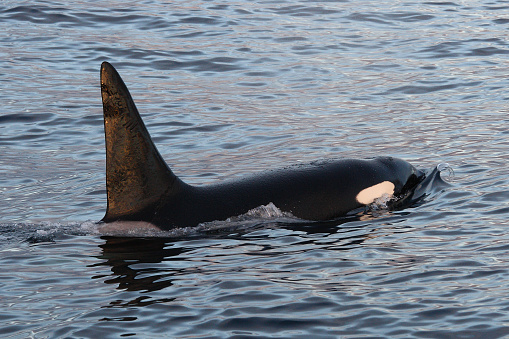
137, 177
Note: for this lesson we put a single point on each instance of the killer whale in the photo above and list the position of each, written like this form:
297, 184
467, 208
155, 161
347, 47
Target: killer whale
141, 187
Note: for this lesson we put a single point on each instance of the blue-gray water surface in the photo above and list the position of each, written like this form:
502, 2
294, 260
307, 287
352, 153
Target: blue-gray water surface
230, 88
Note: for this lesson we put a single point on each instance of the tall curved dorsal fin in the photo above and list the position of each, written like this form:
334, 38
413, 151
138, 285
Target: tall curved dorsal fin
137, 177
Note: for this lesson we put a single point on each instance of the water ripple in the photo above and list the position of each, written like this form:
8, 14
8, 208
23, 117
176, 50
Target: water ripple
233, 88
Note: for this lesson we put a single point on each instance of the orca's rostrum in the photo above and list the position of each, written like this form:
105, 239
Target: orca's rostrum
141, 187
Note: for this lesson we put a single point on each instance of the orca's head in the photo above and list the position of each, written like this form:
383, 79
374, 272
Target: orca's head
405, 178
395, 179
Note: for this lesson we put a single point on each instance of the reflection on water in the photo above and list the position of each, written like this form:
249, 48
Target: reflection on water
153, 264
124, 255
233, 88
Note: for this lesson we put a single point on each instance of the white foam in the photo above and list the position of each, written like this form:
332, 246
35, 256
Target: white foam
268, 211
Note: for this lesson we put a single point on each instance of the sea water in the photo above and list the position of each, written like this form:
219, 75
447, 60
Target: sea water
230, 88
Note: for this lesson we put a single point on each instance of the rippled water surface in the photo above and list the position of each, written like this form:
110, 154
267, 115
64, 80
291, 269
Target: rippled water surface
229, 88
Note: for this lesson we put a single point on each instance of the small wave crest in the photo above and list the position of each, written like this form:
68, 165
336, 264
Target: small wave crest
267, 212
53, 231
432, 183
259, 216
445, 168
44, 232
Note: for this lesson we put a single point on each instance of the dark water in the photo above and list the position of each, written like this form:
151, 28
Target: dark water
228, 88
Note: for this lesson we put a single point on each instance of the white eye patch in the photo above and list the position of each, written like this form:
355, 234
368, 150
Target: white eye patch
368, 195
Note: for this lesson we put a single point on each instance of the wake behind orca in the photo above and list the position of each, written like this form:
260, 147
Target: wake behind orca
141, 187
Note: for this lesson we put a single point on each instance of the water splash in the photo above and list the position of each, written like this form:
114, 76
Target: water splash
268, 211
445, 167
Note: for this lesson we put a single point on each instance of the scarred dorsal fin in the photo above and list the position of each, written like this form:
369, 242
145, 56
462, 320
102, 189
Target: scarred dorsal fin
137, 177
